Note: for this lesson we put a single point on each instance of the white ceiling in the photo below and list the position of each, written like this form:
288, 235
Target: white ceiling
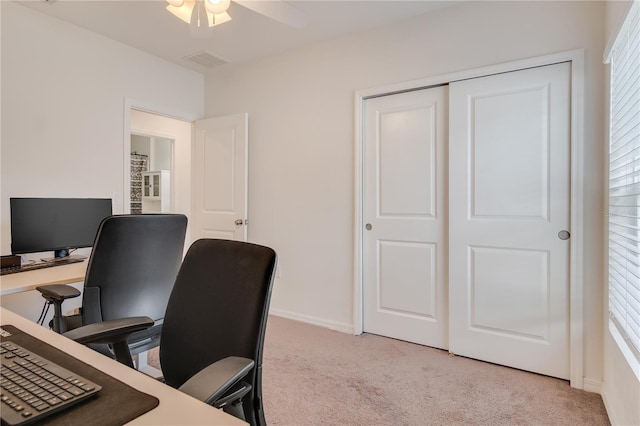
147, 25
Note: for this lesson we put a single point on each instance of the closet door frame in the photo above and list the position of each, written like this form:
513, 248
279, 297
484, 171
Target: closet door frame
576, 284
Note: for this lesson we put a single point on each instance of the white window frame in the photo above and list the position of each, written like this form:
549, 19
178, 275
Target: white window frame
623, 227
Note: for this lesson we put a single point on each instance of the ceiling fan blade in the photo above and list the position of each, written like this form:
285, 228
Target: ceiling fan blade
276, 10
199, 22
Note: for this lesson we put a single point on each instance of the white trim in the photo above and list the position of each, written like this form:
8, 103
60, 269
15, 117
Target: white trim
342, 327
591, 385
576, 285
625, 349
358, 322
152, 134
472, 73
621, 25
576, 267
152, 108
609, 409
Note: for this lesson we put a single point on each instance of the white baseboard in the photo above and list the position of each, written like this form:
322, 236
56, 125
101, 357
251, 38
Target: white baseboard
321, 322
610, 412
591, 385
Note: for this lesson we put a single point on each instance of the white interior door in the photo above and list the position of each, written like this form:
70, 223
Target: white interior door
404, 237
509, 141
220, 178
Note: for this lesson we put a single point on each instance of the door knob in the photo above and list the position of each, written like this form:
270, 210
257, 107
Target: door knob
564, 235
368, 227
239, 222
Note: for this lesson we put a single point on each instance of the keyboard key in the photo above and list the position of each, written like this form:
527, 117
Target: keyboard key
75, 391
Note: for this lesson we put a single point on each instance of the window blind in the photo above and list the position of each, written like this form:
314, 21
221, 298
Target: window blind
624, 181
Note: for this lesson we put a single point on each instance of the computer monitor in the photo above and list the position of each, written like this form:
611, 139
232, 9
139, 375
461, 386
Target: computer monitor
55, 224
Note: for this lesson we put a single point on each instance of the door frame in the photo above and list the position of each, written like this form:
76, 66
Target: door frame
576, 253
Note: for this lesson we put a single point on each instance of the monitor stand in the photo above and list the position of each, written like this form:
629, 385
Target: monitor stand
61, 253
71, 258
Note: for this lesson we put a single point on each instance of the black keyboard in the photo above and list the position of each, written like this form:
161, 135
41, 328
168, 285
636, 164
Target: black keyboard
37, 265
31, 387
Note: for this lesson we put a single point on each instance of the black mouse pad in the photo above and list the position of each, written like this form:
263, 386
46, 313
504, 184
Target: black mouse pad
116, 404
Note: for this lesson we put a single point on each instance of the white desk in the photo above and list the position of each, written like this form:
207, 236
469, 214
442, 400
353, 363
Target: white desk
29, 280
29, 305
175, 408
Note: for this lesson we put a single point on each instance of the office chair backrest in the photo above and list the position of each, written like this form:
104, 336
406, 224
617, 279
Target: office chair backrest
218, 308
133, 265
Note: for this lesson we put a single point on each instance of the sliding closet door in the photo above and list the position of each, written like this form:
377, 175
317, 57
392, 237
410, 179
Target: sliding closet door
404, 216
509, 212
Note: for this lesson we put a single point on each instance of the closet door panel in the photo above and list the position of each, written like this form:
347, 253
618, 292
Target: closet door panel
509, 200
404, 216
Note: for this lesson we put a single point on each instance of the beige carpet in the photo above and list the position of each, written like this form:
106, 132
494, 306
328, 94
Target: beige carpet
315, 376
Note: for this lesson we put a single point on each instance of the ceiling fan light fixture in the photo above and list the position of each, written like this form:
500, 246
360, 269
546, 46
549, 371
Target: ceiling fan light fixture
182, 12
218, 19
199, 16
187, 8
217, 7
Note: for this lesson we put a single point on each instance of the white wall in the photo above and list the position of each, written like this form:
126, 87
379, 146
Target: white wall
621, 387
63, 107
162, 148
301, 132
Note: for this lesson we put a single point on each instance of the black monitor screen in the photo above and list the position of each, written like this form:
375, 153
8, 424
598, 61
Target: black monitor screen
46, 224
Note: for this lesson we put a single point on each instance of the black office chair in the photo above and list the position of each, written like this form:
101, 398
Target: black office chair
214, 327
131, 271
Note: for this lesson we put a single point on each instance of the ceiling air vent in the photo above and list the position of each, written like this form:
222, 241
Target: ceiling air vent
206, 59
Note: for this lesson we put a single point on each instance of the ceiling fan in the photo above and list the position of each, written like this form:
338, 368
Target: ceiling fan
203, 15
